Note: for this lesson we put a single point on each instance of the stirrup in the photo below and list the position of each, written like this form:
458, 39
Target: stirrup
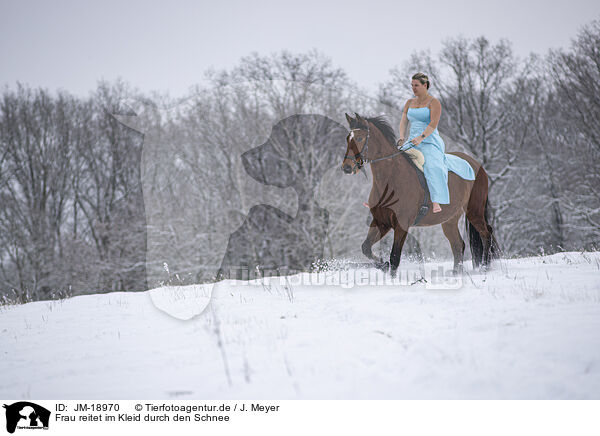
422, 212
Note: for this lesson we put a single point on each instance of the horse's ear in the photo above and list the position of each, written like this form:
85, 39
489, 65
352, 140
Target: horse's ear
360, 119
348, 118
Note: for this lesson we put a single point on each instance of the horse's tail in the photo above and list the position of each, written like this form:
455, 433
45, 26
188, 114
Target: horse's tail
494, 247
475, 243
477, 223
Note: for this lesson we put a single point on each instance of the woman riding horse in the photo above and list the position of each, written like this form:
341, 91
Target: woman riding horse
397, 196
424, 113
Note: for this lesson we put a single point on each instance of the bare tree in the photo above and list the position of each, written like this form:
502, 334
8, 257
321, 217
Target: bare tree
107, 189
575, 77
35, 132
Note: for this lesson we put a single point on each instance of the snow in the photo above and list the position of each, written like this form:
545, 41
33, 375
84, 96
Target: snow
528, 328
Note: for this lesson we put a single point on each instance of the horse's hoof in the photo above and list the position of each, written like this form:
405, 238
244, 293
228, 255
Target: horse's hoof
383, 266
458, 270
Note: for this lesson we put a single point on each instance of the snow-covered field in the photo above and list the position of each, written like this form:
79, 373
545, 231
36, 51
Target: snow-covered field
529, 328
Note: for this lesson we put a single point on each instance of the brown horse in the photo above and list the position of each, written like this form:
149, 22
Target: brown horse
397, 195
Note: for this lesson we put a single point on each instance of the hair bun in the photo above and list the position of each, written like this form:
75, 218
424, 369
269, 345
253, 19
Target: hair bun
422, 77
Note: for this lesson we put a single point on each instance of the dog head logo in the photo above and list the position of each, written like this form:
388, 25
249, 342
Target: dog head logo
26, 415
299, 151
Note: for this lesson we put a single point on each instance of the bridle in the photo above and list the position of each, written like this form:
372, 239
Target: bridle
359, 159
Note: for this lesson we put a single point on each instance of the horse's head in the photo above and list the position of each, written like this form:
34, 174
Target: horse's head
356, 144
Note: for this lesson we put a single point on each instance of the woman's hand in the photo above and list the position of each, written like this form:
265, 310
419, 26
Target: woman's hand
400, 142
417, 140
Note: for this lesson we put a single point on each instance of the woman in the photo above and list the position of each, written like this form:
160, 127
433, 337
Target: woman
424, 113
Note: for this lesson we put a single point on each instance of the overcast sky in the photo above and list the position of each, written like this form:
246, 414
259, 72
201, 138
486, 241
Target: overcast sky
167, 45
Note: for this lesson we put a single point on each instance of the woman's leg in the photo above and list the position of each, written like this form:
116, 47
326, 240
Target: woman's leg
436, 175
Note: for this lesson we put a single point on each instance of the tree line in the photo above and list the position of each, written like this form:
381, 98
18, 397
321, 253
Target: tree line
124, 191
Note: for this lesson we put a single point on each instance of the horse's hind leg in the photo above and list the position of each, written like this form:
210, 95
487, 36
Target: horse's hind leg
376, 232
399, 238
457, 244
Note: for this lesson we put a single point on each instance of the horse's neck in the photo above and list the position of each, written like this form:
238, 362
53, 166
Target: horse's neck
389, 170
382, 168
393, 167
380, 147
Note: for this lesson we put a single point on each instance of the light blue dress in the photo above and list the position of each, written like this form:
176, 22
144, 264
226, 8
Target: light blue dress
437, 162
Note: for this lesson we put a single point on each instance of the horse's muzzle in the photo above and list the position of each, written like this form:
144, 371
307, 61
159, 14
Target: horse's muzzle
347, 168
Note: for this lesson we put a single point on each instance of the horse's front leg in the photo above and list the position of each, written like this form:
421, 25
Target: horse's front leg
399, 238
376, 232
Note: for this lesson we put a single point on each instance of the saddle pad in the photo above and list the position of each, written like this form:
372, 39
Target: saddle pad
417, 157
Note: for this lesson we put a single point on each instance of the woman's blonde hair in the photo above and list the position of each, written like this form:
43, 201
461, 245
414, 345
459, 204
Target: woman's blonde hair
421, 77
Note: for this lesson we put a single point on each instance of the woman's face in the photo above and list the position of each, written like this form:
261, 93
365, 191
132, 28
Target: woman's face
418, 88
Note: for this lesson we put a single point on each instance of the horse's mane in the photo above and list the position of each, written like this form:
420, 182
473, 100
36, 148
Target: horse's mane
381, 123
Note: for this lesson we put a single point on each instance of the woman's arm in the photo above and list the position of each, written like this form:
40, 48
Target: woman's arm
403, 123
436, 112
